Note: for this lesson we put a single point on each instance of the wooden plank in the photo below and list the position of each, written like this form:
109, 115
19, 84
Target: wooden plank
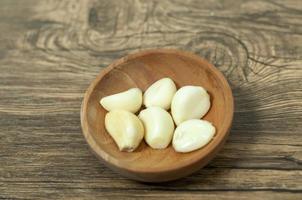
69, 176
83, 194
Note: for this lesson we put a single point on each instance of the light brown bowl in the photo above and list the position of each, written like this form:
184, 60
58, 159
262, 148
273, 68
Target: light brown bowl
141, 70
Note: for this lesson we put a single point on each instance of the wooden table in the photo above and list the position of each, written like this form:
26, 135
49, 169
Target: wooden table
51, 50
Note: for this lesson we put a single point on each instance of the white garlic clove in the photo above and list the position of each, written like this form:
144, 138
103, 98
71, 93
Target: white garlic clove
190, 102
130, 100
159, 127
125, 128
160, 93
192, 135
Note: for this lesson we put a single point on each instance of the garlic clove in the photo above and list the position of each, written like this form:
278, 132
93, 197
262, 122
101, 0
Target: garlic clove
159, 127
125, 128
130, 100
192, 135
190, 102
160, 93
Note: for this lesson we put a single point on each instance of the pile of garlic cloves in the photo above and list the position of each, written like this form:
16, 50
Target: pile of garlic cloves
155, 124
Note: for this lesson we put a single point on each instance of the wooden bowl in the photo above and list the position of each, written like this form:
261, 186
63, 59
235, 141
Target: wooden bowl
141, 70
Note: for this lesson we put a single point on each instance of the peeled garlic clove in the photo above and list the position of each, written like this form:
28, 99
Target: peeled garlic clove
159, 127
192, 134
130, 100
190, 102
160, 93
125, 128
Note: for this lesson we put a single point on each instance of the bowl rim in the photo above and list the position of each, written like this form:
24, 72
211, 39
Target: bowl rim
214, 144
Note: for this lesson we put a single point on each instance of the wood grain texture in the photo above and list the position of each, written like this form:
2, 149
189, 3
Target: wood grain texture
51, 50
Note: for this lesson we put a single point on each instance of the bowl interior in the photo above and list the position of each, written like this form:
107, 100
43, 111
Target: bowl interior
141, 71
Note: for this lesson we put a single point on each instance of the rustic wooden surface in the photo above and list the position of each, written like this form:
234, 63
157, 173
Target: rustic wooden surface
51, 50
